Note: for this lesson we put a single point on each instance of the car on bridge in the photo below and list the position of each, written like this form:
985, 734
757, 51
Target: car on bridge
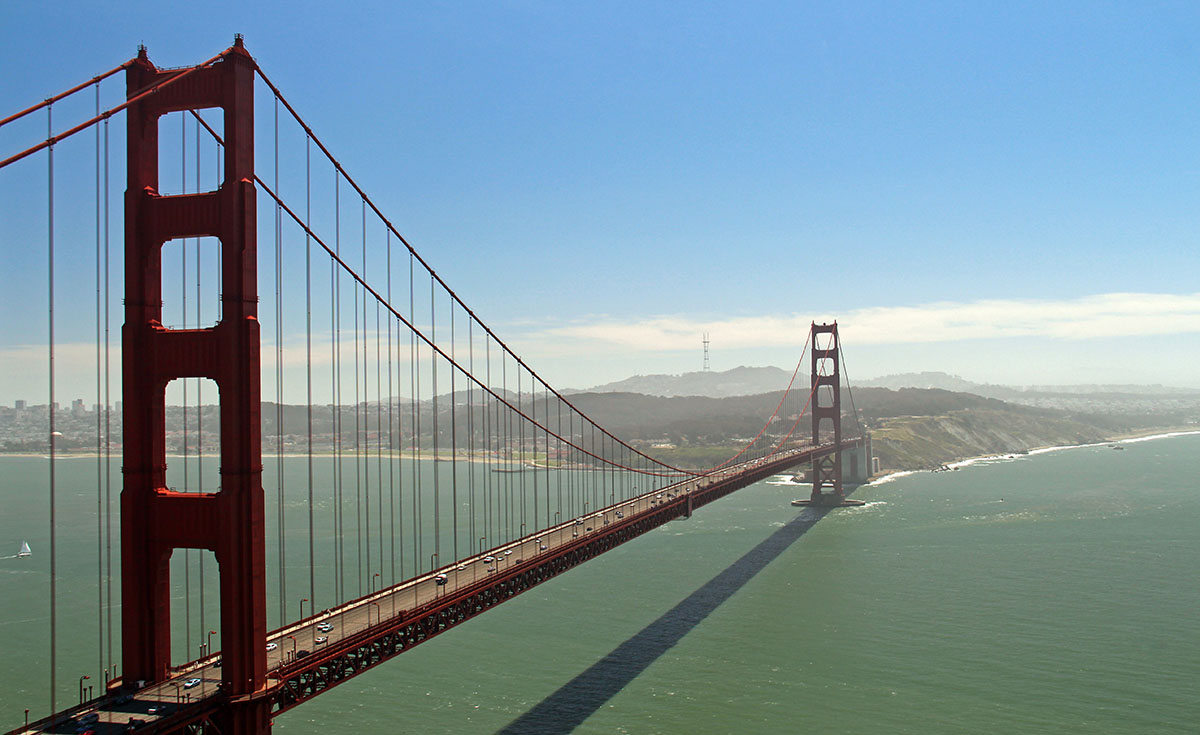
272, 646
325, 627
321, 639
191, 683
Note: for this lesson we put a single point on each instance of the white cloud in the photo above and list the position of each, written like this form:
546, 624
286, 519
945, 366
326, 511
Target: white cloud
1099, 316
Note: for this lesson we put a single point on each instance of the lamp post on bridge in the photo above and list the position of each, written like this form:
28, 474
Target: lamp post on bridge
304, 600
208, 643
85, 676
293, 639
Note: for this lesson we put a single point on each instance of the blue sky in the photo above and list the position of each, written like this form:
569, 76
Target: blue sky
1006, 191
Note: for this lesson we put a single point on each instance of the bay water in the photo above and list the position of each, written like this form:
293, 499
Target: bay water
1054, 592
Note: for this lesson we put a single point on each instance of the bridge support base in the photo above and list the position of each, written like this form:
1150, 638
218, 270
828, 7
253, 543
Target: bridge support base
832, 502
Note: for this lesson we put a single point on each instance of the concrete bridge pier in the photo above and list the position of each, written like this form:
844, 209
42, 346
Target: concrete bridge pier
856, 463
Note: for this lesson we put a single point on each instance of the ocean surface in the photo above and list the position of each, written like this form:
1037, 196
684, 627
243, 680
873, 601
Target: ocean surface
1055, 592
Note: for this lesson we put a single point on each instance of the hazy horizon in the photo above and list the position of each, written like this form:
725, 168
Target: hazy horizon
1002, 193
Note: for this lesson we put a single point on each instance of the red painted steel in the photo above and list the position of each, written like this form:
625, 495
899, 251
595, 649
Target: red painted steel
154, 520
826, 406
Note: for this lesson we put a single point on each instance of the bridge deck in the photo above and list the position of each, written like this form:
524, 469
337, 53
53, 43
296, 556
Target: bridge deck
364, 632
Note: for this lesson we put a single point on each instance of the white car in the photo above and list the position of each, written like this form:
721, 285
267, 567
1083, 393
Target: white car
325, 627
321, 639
191, 683
272, 646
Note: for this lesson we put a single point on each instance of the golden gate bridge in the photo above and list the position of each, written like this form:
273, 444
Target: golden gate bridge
444, 476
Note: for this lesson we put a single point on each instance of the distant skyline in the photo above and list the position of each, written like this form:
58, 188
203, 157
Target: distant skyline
1001, 191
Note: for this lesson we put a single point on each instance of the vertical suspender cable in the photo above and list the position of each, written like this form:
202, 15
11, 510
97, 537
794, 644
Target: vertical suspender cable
524, 452
379, 435
99, 432
400, 454
199, 397
437, 500
415, 358
279, 381
507, 444
50, 351
487, 437
391, 432
187, 553
358, 444
453, 442
366, 420
358, 440
471, 463
107, 414
312, 578
559, 458
336, 314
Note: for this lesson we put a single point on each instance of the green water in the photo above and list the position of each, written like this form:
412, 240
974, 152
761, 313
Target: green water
1050, 593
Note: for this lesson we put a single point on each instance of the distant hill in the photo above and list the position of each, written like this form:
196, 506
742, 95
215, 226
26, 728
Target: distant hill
944, 381
740, 381
1168, 406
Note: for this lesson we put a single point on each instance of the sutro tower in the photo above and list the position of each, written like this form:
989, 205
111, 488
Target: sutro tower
706, 352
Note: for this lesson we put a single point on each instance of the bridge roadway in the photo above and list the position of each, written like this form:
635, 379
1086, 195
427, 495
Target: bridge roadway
300, 664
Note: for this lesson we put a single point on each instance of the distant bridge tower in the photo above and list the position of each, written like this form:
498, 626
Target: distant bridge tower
154, 519
706, 352
827, 487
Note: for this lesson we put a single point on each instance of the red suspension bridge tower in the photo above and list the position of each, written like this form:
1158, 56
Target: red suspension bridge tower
155, 520
827, 487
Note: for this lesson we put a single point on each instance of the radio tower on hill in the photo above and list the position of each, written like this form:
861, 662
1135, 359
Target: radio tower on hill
706, 352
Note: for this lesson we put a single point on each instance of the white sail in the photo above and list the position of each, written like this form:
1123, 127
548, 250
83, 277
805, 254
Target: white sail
25, 550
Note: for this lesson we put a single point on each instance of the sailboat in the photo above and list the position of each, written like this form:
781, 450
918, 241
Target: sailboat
25, 550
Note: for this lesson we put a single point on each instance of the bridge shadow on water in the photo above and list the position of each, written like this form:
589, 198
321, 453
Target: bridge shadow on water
578, 699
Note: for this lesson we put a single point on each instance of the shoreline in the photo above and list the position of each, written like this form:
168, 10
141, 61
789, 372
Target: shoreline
1130, 438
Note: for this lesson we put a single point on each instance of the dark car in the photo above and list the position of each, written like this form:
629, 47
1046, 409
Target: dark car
302, 653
